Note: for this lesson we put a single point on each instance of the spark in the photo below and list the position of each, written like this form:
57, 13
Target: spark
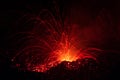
49, 43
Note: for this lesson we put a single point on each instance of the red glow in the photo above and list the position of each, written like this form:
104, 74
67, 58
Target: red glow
50, 43
68, 56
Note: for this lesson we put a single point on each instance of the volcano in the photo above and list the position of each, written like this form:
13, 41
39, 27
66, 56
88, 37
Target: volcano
60, 40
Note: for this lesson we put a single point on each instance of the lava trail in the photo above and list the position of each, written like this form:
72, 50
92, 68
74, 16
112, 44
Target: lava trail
49, 42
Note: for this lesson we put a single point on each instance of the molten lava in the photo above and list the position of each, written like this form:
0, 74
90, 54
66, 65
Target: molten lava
67, 51
67, 57
50, 43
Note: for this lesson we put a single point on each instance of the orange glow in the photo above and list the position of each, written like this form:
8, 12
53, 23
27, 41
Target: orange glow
66, 50
68, 56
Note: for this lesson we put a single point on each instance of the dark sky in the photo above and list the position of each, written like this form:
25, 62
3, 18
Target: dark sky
10, 11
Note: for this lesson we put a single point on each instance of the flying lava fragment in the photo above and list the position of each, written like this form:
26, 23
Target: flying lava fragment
50, 42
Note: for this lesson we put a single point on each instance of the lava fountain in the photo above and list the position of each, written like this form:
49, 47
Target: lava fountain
49, 42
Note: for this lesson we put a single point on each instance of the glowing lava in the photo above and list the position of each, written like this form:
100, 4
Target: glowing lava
48, 44
67, 51
67, 57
